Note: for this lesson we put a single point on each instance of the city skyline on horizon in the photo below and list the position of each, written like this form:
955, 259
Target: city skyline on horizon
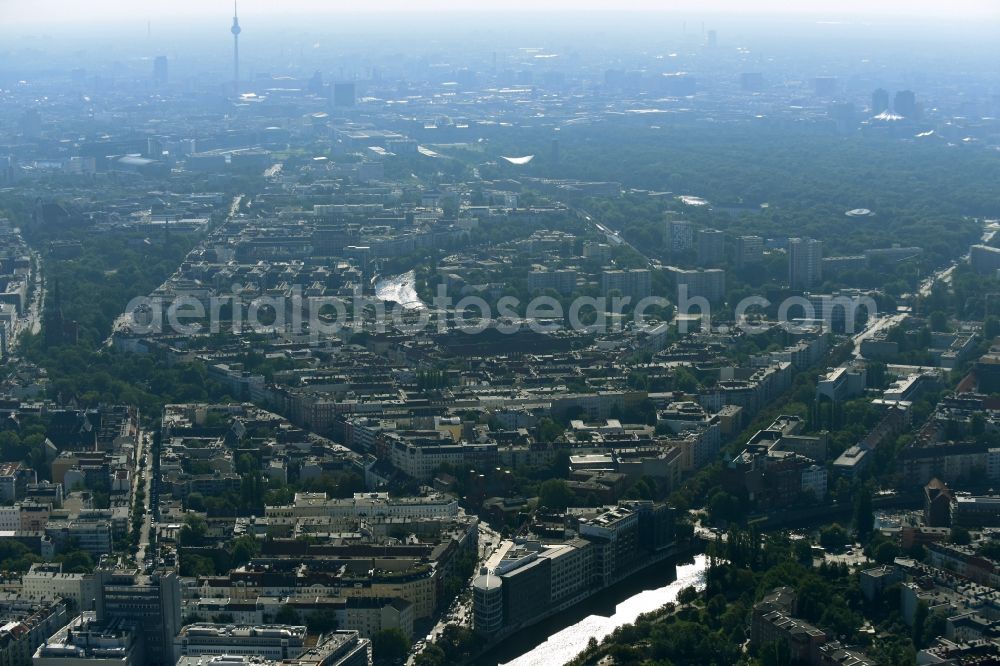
53, 12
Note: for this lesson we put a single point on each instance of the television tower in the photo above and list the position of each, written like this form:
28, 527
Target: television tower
236, 30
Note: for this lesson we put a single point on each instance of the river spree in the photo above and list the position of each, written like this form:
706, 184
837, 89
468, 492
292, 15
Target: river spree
597, 617
400, 289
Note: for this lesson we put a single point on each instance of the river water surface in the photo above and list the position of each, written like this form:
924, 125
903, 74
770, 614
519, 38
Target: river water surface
400, 289
552, 643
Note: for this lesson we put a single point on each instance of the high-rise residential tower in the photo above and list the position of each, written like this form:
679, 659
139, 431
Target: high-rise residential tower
805, 262
880, 101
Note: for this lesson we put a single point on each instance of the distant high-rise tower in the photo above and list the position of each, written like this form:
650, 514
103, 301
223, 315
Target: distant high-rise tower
713, 38
154, 148
711, 247
749, 250
905, 104
160, 70
805, 262
236, 30
880, 101
678, 236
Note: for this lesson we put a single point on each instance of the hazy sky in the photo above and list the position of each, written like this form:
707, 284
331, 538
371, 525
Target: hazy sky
82, 11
